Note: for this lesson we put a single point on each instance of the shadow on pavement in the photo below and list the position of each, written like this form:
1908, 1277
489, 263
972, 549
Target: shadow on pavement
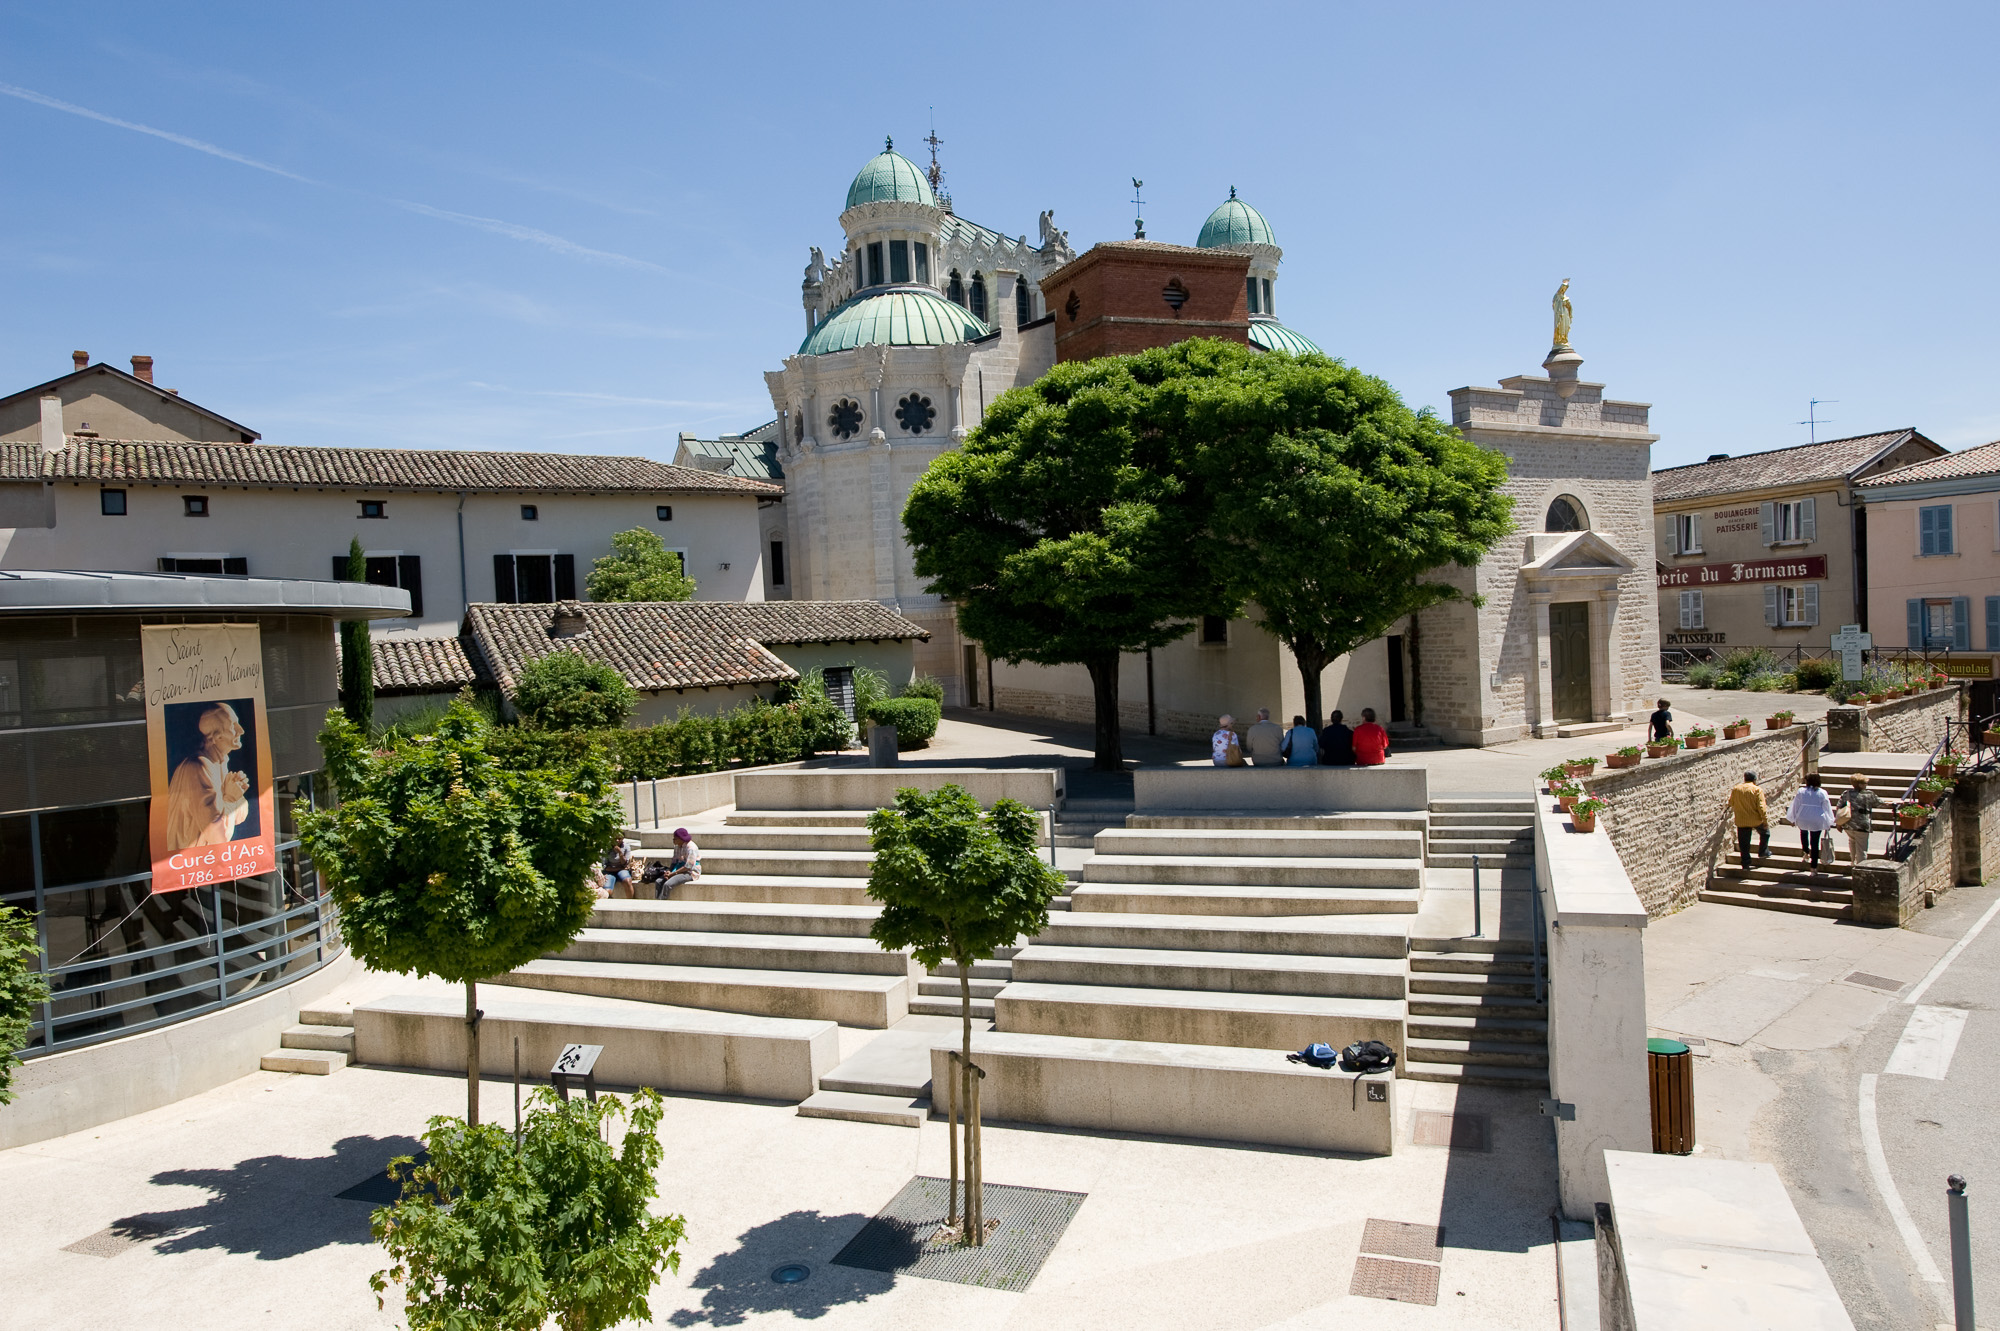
271, 1206
737, 1284
1499, 1199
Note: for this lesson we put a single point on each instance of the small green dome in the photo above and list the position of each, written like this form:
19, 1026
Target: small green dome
1234, 223
1271, 335
890, 176
895, 318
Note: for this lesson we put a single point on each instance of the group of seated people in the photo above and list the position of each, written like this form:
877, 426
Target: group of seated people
618, 877
1267, 744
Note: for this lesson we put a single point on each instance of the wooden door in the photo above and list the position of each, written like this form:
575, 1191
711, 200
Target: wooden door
1569, 659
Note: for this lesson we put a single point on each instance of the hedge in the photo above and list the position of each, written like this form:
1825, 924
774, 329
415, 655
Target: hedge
915, 719
748, 735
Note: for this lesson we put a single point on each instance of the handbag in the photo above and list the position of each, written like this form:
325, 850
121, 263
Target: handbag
1233, 755
1843, 815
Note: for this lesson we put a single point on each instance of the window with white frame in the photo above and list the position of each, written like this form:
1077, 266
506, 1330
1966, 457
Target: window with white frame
1791, 605
1687, 533
1934, 530
1944, 623
1786, 522
1691, 611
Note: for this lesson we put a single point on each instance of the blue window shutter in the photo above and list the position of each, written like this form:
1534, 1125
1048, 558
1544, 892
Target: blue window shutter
1993, 623
1961, 623
1945, 546
1926, 534
1916, 638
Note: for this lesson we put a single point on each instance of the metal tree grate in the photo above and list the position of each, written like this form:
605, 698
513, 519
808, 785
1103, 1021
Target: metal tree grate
119, 1236
1397, 1238
1024, 1225
1461, 1132
1401, 1282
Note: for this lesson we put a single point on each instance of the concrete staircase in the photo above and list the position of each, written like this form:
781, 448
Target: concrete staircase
1499, 830
1474, 1019
321, 1044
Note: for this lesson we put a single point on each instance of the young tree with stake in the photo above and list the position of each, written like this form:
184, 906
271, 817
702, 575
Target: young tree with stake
955, 884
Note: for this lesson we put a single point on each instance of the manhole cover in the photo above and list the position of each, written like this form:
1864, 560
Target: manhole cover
1875, 981
118, 1236
1400, 1282
1461, 1132
791, 1273
1024, 1225
1398, 1238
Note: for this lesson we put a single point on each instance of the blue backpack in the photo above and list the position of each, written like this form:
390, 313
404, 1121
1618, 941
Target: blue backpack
1316, 1055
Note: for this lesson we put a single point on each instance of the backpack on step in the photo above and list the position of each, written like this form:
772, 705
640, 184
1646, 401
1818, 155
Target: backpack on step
1366, 1056
1316, 1055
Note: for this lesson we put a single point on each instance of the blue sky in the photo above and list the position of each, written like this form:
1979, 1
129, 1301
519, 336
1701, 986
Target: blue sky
582, 229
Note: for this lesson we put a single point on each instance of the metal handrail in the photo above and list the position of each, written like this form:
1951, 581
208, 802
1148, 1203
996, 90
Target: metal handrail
1904, 840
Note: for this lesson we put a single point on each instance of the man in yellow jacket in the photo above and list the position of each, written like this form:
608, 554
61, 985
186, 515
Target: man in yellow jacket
1746, 802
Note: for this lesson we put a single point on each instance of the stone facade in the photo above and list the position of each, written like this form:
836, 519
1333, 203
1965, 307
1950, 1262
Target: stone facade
1904, 725
1129, 295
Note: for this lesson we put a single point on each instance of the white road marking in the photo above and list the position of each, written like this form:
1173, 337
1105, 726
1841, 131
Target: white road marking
1928, 1042
1930, 977
1878, 1167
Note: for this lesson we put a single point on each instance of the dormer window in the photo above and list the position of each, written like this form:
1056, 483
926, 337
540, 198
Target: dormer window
954, 290
1251, 284
1270, 307
874, 263
1023, 310
899, 261
979, 296
923, 262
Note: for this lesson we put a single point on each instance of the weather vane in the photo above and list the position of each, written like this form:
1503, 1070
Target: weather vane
1138, 204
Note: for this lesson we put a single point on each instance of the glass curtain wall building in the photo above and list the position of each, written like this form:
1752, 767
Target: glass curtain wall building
75, 797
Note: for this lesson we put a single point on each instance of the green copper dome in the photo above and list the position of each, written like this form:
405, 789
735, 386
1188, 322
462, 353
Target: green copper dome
890, 176
896, 318
1234, 223
1274, 336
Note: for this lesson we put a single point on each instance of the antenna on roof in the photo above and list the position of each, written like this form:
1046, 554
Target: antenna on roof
1138, 220
936, 173
1813, 421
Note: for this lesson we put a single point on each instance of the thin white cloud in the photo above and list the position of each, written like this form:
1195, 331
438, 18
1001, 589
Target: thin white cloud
612, 399
183, 140
515, 231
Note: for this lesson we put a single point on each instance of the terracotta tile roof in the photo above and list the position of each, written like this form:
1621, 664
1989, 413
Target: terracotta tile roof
1832, 460
677, 644
1983, 460
405, 664
441, 469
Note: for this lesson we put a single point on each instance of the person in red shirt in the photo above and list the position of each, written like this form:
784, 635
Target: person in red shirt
1371, 742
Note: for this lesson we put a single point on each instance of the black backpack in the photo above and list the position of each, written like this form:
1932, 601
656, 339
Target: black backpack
1367, 1056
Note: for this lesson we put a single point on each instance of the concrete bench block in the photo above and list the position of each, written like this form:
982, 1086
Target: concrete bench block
1254, 870
707, 1053
1213, 899
776, 889
872, 1001
1276, 790
811, 863
742, 917
1222, 972
1178, 1090
1185, 1016
1236, 841
773, 952
875, 788
1245, 821
1317, 936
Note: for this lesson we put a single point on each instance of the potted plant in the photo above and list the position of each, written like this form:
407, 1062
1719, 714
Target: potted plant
1939, 679
1583, 814
1879, 695
1932, 789
1990, 737
1737, 729
1555, 776
1701, 737
1910, 817
1567, 795
1579, 766
1779, 720
1625, 757
1949, 762
1662, 748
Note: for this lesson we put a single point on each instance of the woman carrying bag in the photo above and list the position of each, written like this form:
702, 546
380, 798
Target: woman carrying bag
1812, 813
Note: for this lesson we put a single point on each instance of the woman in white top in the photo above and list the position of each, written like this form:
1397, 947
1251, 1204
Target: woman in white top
1812, 814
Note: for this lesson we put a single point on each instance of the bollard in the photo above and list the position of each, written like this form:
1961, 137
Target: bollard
1478, 929
1961, 1253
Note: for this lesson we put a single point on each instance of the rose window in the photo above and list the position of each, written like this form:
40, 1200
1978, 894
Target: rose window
845, 418
916, 413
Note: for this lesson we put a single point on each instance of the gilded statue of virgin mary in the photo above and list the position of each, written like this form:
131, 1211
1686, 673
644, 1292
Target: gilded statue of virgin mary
1563, 311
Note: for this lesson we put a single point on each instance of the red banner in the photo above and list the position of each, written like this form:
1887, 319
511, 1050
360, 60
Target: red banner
1799, 568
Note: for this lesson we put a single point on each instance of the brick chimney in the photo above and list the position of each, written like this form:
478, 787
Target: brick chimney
142, 368
569, 621
80, 359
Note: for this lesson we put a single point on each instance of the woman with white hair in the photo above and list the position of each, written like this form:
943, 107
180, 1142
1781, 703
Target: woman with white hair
205, 800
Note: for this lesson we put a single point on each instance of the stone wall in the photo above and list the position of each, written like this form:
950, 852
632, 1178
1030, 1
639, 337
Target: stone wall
1904, 725
1975, 806
1664, 815
1886, 892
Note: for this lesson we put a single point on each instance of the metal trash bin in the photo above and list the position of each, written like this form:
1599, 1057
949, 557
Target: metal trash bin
1670, 1082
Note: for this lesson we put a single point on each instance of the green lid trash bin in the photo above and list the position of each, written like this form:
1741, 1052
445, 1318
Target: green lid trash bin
1670, 1078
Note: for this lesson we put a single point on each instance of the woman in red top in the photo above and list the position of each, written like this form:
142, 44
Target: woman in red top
1371, 742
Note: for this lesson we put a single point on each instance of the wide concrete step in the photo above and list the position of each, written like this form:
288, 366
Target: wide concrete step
787, 889
1316, 935
895, 1110
1507, 947
1504, 1006
1193, 1016
1212, 899
996, 969
311, 1062
1205, 842
775, 952
872, 1001
1256, 870
1521, 985
1510, 822
326, 1014
1795, 881
782, 838
1825, 910
326, 1039
939, 987
1476, 1074
1488, 1030
1213, 972
1486, 1053
1495, 859
1248, 820
1448, 804
1473, 963
844, 818
929, 1005
809, 863
737, 917
896, 1063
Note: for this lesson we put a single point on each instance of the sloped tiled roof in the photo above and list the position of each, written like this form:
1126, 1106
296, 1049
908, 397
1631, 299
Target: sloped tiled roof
406, 664
1828, 461
677, 644
442, 469
1984, 460
752, 455
55, 385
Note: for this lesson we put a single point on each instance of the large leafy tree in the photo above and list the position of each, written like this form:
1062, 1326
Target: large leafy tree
639, 568
958, 885
1064, 528
1332, 505
443, 863
497, 1233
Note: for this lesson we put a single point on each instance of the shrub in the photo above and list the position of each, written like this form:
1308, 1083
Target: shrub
1744, 662
1629, 751
564, 691
1589, 808
425, 720
1818, 674
1702, 675
1764, 684
870, 687
826, 727
639, 568
915, 719
924, 686
530, 749
23, 990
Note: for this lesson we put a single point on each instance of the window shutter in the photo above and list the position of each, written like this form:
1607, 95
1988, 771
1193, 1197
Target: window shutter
1916, 638
1810, 613
503, 579
237, 564
1944, 545
340, 568
1685, 610
1770, 602
1700, 611
1694, 538
1961, 623
1766, 517
1993, 623
410, 576
1808, 520
565, 577
1926, 533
